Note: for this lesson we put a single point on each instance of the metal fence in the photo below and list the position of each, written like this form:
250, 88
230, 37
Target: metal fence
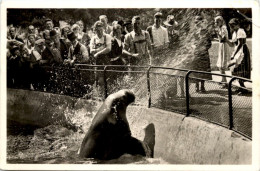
169, 89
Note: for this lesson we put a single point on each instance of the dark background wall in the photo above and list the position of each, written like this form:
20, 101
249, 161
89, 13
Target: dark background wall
25, 17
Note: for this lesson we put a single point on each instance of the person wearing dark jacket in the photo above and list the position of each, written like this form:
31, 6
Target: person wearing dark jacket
60, 46
117, 47
13, 67
78, 53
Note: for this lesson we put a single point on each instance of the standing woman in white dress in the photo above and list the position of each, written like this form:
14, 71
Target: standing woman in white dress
239, 63
222, 34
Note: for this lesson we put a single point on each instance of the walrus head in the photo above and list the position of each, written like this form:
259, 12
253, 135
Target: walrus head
118, 103
129, 95
123, 96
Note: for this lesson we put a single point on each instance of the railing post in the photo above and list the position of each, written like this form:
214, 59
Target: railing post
231, 123
149, 86
187, 93
105, 82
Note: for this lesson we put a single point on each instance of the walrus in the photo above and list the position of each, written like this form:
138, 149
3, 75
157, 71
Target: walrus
109, 135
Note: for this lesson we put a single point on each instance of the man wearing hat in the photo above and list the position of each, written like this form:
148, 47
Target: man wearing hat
170, 21
59, 45
107, 28
128, 26
78, 53
171, 24
47, 54
138, 44
159, 37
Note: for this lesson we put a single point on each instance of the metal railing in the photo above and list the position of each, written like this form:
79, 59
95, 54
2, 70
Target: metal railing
171, 89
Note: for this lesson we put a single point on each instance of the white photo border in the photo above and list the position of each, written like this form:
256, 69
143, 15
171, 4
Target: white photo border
134, 4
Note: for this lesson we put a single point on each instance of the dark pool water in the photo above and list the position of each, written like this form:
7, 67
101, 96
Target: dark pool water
55, 144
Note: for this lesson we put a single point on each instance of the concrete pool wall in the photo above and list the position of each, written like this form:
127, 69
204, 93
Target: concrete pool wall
190, 140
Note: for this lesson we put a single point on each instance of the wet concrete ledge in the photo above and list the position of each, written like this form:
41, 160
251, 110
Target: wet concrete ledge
178, 140
190, 139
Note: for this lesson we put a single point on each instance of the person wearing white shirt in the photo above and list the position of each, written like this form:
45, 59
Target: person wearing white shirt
159, 37
100, 45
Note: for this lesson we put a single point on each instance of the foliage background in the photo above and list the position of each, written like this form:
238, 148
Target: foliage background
24, 17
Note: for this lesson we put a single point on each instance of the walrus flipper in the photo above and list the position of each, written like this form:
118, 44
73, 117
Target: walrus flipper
89, 147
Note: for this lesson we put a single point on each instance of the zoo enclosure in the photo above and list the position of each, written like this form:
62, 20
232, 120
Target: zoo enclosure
170, 89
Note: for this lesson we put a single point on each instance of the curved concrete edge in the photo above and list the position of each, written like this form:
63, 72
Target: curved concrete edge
178, 140
190, 139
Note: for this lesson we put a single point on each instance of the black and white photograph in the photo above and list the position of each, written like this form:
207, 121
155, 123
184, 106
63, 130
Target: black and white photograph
128, 86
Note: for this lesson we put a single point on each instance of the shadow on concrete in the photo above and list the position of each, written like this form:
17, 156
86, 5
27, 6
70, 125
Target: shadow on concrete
149, 137
216, 101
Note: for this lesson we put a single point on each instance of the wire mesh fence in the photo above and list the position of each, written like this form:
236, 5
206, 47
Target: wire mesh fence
208, 100
168, 91
193, 93
242, 107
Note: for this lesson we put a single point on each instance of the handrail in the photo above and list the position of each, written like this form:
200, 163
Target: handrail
210, 73
148, 71
105, 83
160, 67
126, 66
187, 93
149, 87
231, 123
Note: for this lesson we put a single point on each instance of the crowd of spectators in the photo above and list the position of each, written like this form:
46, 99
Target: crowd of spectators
30, 59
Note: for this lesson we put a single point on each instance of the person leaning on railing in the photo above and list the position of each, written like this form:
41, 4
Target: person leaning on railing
100, 45
116, 55
60, 47
78, 53
137, 44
